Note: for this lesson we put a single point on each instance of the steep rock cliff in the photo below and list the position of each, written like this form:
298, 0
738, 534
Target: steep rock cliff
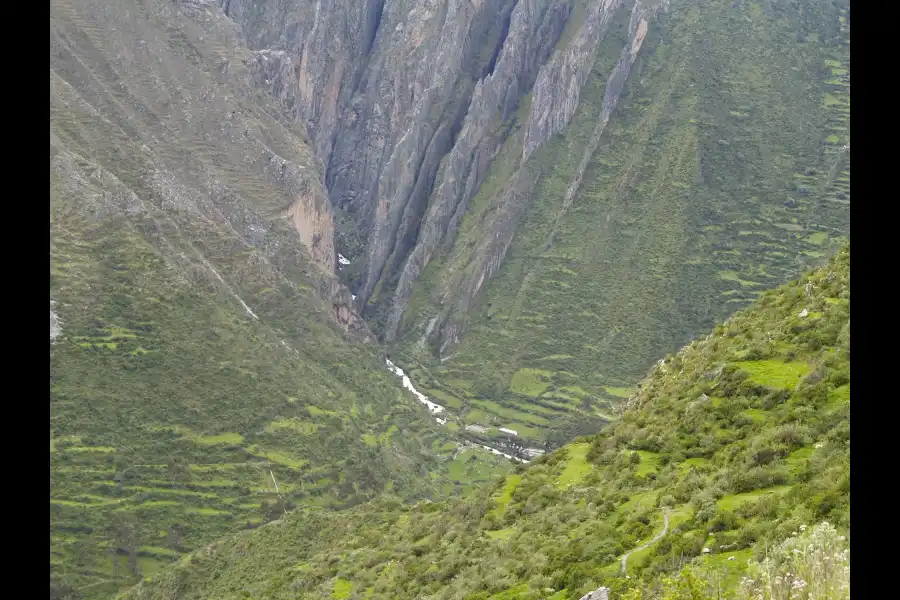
706, 159
408, 106
388, 92
636, 168
198, 329
554, 103
533, 30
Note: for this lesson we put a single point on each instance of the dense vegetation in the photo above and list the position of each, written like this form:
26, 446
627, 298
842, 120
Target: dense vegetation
174, 414
204, 383
727, 473
200, 384
724, 171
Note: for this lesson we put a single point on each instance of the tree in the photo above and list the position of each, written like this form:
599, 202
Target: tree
125, 539
686, 586
176, 534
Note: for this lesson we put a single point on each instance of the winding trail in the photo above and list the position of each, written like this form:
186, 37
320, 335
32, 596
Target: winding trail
658, 537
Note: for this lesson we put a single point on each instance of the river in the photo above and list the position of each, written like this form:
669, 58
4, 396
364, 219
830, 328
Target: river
437, 409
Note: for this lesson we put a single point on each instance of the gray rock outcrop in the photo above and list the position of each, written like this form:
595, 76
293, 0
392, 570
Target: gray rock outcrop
186, 146
55, 324
407, 105
601, 593
550, 112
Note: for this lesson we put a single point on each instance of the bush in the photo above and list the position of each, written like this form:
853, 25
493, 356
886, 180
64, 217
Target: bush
758, 478
813, 565
773, 399
722, 521
705, 512
667, 500
686, 586
762, 457
792, 435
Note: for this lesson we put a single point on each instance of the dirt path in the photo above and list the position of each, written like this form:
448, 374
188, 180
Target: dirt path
655, 539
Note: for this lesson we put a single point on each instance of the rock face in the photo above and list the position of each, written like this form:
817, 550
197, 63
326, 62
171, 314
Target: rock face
461, 142
383, 88
550, 113
533, 29
559, 83
406, 107
600, 593
192, 140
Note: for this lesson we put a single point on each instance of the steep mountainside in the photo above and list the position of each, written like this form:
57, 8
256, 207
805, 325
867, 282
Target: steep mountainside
207, 368
538, 198
732, 450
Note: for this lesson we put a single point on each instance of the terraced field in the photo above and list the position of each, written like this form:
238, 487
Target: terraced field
107, 510
723, 172
199, 357
718, 458
527, 416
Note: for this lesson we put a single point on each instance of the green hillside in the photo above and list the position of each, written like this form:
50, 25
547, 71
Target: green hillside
172, 415
723, 172
204, 355
733, 451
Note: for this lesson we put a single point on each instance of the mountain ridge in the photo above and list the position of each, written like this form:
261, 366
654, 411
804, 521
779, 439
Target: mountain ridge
203, 352
472, 184
759, 455
523, 203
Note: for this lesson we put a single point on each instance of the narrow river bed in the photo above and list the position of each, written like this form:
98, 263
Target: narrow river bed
437, 409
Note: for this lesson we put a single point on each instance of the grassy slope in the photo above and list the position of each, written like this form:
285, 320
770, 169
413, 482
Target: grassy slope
172, 407
742, 436
721, 174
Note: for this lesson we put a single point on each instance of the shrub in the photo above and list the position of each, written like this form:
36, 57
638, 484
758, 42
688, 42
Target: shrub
813, 565
792, 435
774, 398
758, 478
686, 586
705, 512
722, 521
762, 457
667, 500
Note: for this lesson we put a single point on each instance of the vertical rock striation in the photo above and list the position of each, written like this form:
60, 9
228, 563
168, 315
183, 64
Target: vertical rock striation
408, 104
558, 82
534, 28
405, 105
